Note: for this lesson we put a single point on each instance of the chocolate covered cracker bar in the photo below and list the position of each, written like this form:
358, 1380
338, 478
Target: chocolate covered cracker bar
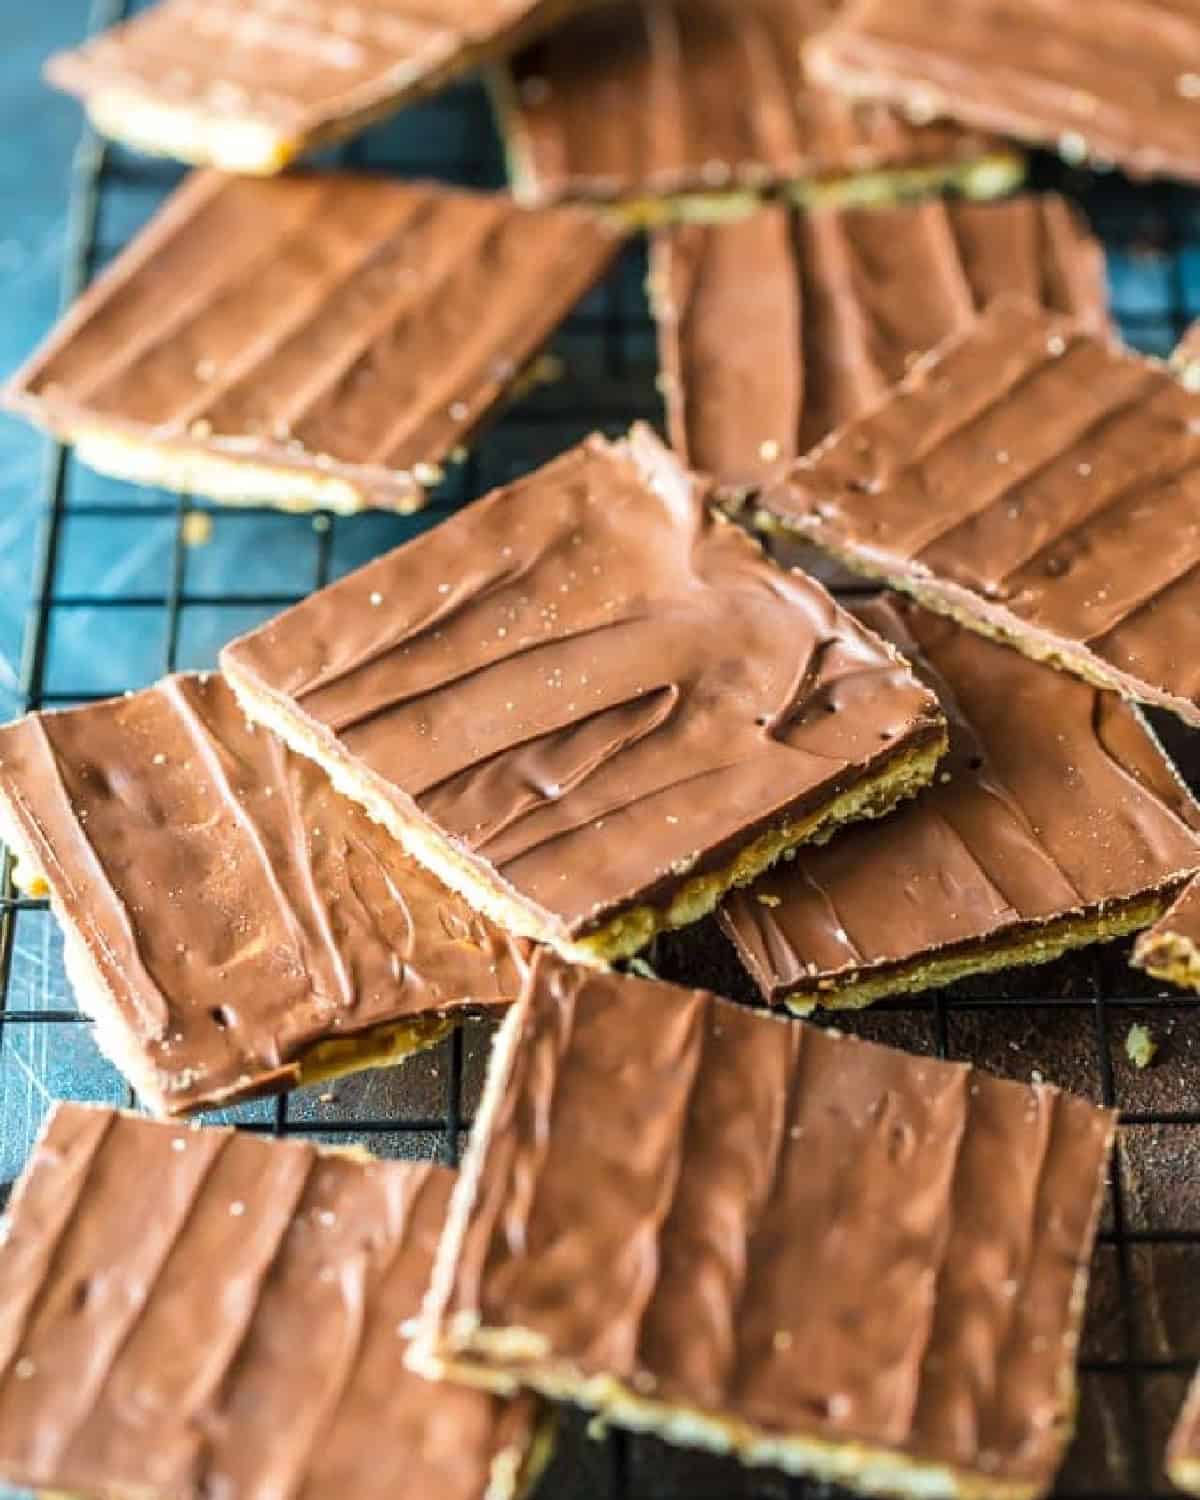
669, 107
756, 1236
321, 339
233, 924
1171, 949
1040, 484
778, 328
1114, 81
247, 85
591, 705
192, 1313
1054, 821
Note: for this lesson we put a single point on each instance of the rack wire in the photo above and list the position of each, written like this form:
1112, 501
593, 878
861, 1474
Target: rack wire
120, 594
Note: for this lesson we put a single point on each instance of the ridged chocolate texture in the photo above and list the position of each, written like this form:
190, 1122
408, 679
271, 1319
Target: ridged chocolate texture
777, 328
697, 96
1054, 802
835, 1256
587, 686
1038, 482
1115, 81
343, 332
226, 910
248, 84
188, 1313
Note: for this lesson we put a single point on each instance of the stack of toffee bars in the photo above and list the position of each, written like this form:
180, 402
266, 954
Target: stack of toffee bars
479, 776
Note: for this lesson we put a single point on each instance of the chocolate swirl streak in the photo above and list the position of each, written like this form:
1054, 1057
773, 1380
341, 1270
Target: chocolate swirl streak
587, 684
1072, 815
193, 1313
232, 910
780, 327
331, 330
1037, 482
698, 96
248, 85
643, 1229
1112, 81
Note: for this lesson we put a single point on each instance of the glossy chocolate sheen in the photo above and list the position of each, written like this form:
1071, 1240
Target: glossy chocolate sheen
196, 1313
1113, 80
1054, 800
763, 1223
347, 326
1040, 482
698, 95
306, 71
777, 328
234, 909
589, 683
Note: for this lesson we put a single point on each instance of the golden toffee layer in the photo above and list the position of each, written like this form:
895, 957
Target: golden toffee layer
589, 704
191, 1312
755, 1236
234, 926
320, 340
1055, 821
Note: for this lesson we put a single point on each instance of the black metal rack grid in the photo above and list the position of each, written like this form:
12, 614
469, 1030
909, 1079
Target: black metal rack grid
119, 595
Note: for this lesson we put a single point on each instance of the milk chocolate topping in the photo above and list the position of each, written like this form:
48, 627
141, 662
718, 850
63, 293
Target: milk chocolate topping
1038, 482
231, 910
761, 1223
1054, 799
192, 1313
322, 323
779, 327
306, 72
698, 95
588, 683
1115, 80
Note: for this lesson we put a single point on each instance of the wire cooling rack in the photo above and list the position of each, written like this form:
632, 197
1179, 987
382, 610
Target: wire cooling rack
131, 583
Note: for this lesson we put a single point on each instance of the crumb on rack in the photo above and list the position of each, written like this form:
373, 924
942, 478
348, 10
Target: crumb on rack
197, 528
1140, 1046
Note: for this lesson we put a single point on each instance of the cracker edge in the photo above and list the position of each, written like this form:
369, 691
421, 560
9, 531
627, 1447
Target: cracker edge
1036, 944
969, 609
385, 1045
681, 197
226, 478
247, 144
515, 1469
903, 774
504, 1360
903, 88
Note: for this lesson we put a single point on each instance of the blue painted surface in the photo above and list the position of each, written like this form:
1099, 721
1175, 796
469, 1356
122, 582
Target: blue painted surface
38, 133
